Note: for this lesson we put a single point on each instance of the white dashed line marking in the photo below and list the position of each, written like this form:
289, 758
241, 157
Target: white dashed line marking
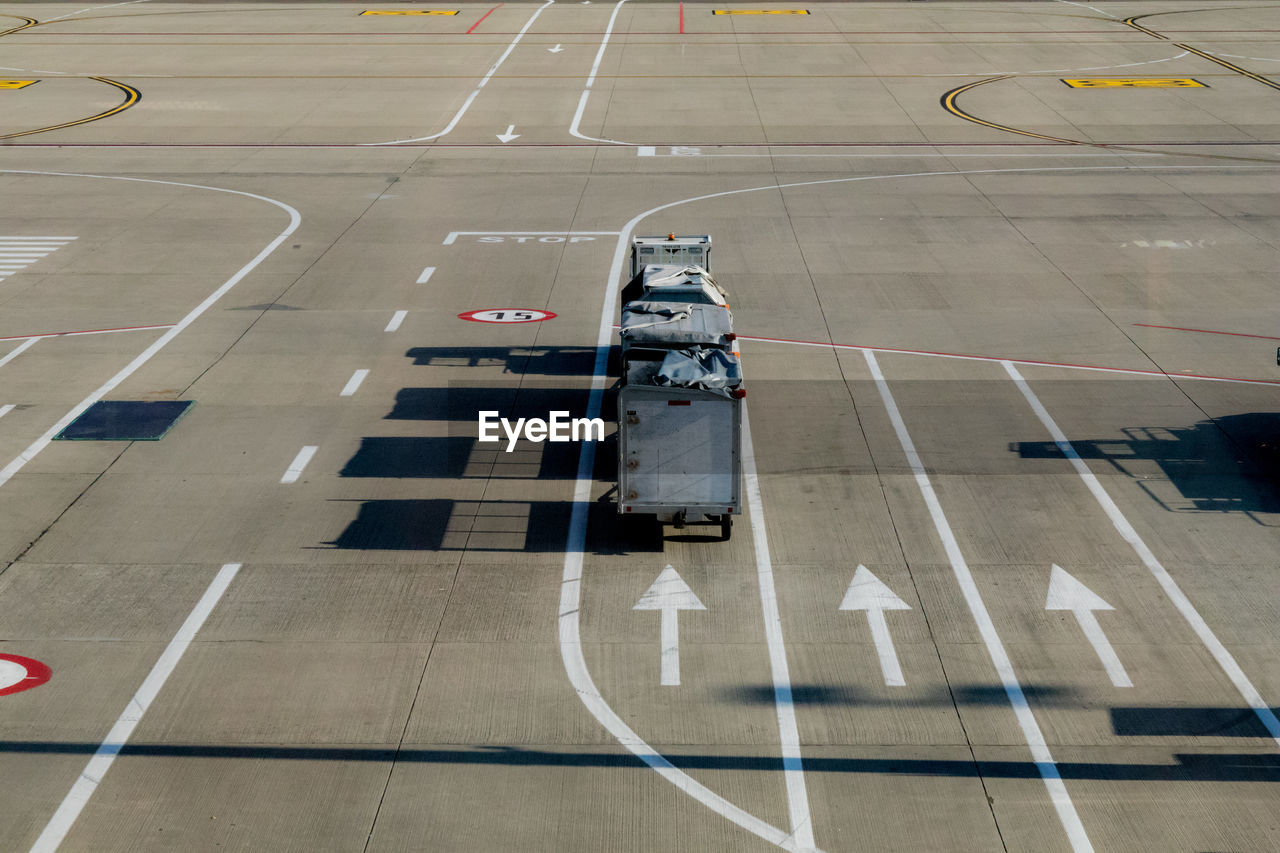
299, 463
396, 319
353, 383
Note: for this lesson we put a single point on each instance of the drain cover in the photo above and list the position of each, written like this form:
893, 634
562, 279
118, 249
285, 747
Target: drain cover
125, 420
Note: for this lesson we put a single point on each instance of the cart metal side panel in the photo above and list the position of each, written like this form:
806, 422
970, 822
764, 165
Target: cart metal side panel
678, 450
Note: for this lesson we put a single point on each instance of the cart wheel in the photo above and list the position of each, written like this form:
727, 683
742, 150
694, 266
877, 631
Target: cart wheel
726, 527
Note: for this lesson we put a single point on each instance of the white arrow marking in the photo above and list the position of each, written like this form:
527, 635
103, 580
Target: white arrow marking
867, 592
555, 49
670, 594
1067, 593
508, 136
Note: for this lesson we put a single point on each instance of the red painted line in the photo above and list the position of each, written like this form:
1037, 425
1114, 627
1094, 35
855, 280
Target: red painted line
85, 332
1207, 331
966, 357
682, 19
482, 17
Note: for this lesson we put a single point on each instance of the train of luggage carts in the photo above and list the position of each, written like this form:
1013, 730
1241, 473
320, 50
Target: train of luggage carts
680, 391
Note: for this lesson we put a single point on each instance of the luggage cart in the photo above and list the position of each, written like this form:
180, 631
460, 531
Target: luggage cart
680, 436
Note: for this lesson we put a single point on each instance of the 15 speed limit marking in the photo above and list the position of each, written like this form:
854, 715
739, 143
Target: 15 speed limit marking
18, 673
507, 315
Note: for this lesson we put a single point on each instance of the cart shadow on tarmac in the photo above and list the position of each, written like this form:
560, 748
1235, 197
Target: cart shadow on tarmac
1228, 464
446, 524
1179, 767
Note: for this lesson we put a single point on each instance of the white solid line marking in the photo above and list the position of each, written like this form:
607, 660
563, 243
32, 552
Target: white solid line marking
26, 238
142, 358
467, 103
571, 654
353, 383
1067, 593
784, 705
1171, 589
4, 410
299, 462
14, 353
648, 151
1044, 761
78, 797
591, 79
396, 319
427, 272
454, 235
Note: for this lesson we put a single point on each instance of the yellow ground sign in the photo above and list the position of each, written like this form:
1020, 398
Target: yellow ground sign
410, 12
759, 11
1135, 83
15, 84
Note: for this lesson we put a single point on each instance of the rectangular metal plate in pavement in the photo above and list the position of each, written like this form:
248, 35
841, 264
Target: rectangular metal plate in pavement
125, 420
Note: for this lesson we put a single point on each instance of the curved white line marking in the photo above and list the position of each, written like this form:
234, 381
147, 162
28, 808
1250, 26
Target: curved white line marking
1238, 56
591, 79
92, 8
575, 542
1087, 6
295, 218
466, 105
575, 130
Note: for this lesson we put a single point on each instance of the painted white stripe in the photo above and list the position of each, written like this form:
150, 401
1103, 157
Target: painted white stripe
92, 8
467, 103
1044, 761
142, 358
427, 272
788, 733
78, 797
33, 238
1102, 647
890, 668
454, 235
353, 384
17, 351
648, 151
670, 639
4, 410
1171, 589
396, 319
591, 79
299, 462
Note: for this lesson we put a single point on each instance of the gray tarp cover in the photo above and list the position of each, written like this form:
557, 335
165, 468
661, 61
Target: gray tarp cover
675, 322
708, 369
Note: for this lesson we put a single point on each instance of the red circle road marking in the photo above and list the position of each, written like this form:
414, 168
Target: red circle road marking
507, 315
18, 673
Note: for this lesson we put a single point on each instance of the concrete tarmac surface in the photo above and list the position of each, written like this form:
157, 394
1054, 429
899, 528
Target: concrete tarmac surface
1004, 274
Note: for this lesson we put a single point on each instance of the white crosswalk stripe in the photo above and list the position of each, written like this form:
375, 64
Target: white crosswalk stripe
17, 252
